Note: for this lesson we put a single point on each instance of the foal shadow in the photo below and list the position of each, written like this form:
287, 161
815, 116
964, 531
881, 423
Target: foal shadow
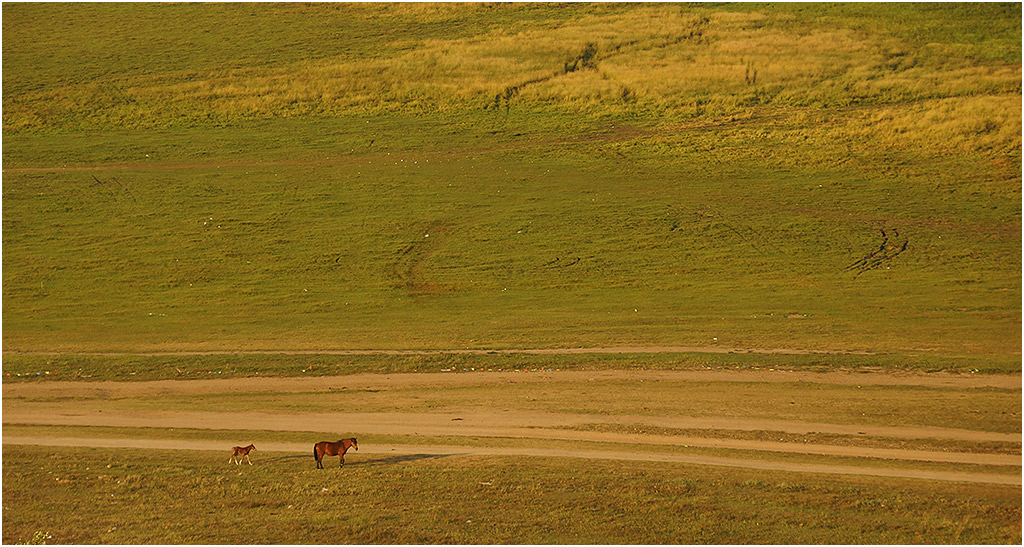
283, 458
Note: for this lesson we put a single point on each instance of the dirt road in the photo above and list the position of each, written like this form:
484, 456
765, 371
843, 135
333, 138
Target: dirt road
437, 450
46, 403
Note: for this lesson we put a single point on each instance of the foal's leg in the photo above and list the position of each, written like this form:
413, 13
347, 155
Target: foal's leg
247, 459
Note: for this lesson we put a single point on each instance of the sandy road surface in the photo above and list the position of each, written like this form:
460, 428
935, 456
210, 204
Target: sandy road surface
519, 425
45, 403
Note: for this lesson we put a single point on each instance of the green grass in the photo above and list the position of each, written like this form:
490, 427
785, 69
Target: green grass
193, 497
433, 176
524, 251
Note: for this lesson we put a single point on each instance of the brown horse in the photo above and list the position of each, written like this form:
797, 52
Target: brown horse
241, 452
327, 448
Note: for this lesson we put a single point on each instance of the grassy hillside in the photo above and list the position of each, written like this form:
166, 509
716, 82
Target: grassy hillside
448, 176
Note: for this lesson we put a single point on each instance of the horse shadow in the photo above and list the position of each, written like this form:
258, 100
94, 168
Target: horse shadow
404, 458
390, 460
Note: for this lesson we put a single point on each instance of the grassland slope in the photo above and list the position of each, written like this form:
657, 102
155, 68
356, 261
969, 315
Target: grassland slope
322, 177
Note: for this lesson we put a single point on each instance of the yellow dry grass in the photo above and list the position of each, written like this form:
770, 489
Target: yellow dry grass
679, 62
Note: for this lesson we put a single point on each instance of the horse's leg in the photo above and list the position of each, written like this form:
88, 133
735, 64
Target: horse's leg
342, 458
247, 459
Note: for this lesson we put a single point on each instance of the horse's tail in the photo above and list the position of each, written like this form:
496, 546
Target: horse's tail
314, 452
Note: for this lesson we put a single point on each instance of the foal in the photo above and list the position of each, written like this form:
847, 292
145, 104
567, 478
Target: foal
241, 452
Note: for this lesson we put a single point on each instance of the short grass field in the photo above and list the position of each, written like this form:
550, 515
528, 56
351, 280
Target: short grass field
299, 191
151, 497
